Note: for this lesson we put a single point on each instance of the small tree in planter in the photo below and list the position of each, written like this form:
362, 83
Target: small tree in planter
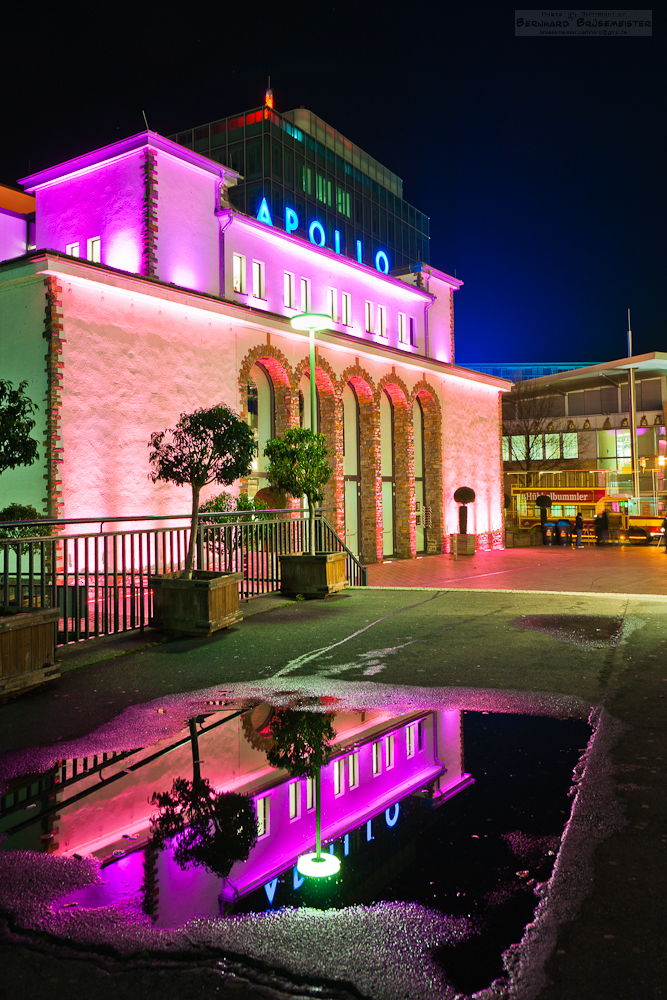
298, 466
208, 446
465, 543
464, 495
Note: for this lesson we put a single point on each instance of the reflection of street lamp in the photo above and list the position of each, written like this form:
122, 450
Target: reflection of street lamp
311, 322
316, 864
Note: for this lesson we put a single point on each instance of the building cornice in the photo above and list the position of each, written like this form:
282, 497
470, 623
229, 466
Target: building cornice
59, 265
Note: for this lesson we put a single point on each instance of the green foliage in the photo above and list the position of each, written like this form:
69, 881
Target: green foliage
212, 830
17, 447
225, 503
23, 512
208, 446
301, 741
298, 465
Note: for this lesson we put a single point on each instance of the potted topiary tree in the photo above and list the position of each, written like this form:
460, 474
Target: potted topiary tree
466, 543
208, 446
298, 466
27, 632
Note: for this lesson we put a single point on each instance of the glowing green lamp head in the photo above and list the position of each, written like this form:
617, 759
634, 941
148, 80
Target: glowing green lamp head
311, 321
322, 867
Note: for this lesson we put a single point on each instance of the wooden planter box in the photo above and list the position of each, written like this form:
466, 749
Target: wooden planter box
312, 576
200, 606
467, 544
27, 648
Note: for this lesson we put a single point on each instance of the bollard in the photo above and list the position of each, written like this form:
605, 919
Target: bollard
455, 547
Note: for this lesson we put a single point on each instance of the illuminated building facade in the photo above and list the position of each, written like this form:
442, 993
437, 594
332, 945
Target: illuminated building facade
155, 296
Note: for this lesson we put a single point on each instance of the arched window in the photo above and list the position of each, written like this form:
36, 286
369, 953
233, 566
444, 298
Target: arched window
420, 485
351, 470
387, 472
261, 419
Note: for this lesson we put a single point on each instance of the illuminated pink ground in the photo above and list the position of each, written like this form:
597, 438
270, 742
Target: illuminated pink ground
616, 569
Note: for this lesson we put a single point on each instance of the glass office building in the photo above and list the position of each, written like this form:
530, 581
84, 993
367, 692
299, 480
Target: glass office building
296, 161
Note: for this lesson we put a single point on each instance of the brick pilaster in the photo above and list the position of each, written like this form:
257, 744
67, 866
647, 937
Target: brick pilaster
53, 329
149, 212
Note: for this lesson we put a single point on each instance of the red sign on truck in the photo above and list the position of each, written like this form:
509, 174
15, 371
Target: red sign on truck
571, 496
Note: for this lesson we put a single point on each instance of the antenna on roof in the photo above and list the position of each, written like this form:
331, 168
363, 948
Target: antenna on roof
268, 97
146, 121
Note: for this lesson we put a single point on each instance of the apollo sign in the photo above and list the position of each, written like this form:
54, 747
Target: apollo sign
317, 235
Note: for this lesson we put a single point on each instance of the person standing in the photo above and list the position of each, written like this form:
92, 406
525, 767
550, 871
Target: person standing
664, 533
604, 527
597, 526
579, 528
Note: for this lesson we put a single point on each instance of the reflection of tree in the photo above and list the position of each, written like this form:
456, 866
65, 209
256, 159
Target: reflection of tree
300, 741
211, 829
301, 744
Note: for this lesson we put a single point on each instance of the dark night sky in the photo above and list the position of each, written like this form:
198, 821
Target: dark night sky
541, 162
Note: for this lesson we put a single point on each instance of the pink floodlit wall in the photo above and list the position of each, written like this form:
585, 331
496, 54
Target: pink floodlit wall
104, 200
188, 239
472, 457
324, 269
13, 232
131, 365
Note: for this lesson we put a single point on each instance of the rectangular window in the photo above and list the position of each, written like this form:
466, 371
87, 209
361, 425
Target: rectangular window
263, 811
518, 448
290, 290
343, 201
309, 181
369, 317
310, 794
570, 446
321, 188
402, 329
294, 799
389, 751
382, 321
535, 444
305, 295
421, 734
339, 776
552, 446
410, 740
95, 249
353, 770
329, 193
377, 758
346, 309
258, 279
331, 304
238, 271
506, 449
413, 331
72, 249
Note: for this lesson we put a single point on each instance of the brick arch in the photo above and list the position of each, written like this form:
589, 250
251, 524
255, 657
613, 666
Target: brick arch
357, 376
331, 425
370, 482
280, 372
405, 543
433, 492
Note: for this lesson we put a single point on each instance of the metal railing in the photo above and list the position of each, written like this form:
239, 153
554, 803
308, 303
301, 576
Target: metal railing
101, 581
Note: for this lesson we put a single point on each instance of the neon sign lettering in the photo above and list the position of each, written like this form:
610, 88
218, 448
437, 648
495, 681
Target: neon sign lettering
318, 236
264, 215
317, 227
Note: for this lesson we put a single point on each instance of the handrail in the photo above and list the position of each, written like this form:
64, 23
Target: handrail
152, 517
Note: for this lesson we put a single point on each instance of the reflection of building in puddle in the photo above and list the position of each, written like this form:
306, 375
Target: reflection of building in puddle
377, 760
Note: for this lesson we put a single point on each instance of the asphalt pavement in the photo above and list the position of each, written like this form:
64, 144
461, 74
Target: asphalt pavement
549, 624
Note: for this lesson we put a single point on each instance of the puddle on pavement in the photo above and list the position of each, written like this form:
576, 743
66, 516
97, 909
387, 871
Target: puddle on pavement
445, 823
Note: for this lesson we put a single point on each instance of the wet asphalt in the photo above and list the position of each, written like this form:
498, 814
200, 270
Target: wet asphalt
606, 650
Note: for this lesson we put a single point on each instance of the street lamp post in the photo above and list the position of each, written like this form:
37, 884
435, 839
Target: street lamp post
313, 323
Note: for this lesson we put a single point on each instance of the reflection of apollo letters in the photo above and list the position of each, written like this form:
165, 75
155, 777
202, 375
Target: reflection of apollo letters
377, 760
317, 235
